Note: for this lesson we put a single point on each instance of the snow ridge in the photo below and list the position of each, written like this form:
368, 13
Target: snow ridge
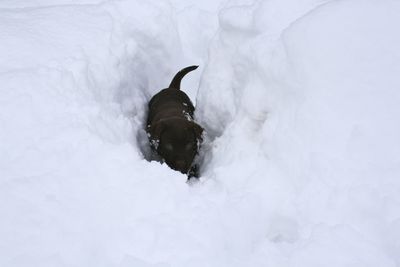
300, 163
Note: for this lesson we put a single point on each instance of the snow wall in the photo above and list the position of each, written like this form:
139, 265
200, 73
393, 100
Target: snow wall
300, 103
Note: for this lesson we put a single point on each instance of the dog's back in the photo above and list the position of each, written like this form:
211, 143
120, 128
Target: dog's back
171, 102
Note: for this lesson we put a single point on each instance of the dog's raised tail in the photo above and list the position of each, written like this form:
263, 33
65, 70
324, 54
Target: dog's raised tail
176, 81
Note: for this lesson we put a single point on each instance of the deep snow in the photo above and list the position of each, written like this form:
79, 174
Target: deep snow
299, 100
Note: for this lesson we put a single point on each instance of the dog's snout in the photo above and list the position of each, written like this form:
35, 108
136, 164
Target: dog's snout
180, 164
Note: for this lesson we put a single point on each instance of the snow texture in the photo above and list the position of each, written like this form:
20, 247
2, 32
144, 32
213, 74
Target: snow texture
299, 99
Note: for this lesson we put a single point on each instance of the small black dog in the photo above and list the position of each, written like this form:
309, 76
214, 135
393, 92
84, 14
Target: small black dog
170, 127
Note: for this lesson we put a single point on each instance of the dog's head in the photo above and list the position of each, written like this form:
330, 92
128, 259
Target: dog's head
177, 142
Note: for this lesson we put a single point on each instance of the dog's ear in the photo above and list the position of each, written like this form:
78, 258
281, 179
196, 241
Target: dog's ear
198, 131
156, 130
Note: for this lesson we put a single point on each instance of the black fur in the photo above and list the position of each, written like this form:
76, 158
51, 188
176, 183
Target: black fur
173, 134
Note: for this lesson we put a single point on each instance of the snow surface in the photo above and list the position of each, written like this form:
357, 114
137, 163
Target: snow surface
300, 100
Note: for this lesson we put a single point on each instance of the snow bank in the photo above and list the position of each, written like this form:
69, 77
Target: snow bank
305, 121
299, 99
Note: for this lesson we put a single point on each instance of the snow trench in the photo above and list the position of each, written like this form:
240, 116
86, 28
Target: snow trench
299, 100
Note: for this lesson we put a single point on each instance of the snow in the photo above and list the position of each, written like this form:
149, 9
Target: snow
299, 100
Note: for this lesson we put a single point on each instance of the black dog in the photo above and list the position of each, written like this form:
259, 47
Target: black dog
170, 127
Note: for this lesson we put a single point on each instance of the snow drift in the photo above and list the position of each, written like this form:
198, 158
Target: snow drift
299, 100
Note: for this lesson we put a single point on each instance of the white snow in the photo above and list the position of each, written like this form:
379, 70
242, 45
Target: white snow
299, 99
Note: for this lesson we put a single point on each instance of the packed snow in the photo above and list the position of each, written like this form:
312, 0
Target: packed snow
301, 160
